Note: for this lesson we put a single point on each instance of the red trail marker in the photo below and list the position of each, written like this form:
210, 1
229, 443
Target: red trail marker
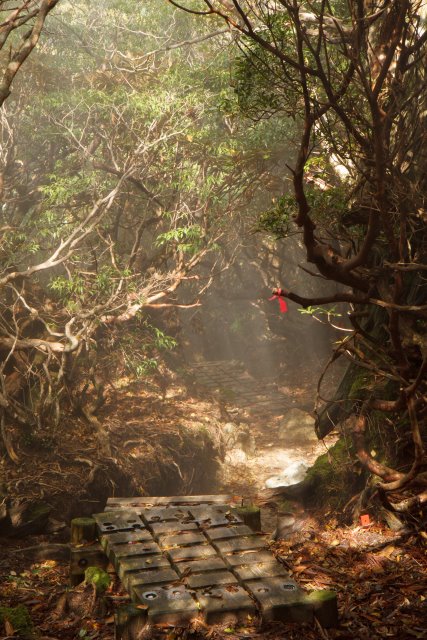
278, 294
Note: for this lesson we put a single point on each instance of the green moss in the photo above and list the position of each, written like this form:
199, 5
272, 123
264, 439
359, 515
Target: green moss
98, 577
329, 464
361, 384
320, 596
83, 522
19, 618
285, 506
332, 477
247, 509
39, 511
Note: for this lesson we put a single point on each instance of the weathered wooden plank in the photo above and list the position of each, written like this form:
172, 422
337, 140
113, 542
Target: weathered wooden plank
223, 533
225, 605
240, 544
216, 515
325, 606
210, 579
112, 522
83, 557
182, 540
163, 514
281, 599
181, 554
129, 622
140, 563
164, 575
171, 605
162, 528
165, 553
118, 551
248, 557
173, 501
213, 563
259, 570
125, 537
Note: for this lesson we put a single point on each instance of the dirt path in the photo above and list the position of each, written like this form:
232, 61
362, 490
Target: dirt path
379, 576
257, 445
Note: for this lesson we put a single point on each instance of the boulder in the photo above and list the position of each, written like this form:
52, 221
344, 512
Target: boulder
25, 518
292, 474
297, 424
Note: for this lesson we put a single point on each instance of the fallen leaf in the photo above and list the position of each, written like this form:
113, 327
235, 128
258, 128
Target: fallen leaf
10, 631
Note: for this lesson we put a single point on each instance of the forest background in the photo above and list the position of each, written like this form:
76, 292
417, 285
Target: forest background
131, 174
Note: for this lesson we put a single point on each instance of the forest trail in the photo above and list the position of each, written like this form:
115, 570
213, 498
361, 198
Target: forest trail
258, 442
238, 389
379, 575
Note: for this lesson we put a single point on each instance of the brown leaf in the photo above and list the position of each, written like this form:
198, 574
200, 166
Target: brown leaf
10, 631
232, 588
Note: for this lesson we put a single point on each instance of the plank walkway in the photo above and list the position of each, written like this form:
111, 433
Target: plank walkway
238, 388
188, 557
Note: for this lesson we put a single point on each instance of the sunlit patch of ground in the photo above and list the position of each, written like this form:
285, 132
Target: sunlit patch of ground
247, 473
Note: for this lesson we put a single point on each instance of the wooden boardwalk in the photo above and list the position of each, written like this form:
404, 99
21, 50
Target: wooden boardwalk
182, 558
238, 388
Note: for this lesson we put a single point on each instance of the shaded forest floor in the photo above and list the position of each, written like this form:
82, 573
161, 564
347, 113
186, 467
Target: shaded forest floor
380, 580
165, 439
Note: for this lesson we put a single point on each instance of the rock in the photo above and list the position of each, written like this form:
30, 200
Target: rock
229, 433
240, 437
235, 456
292, 474
297, 424
30, 518
26, 518
285, 526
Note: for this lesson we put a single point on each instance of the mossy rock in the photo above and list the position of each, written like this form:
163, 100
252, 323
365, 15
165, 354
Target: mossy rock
333, 478
98, 577
19, 619
28, 518
286, 506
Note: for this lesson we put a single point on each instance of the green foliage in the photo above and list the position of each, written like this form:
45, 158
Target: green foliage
361, 385
327, 205
162, 341
98, 577
77, 290
141, 349
276, 220
20, 620
186, 239
317, 311
62, 189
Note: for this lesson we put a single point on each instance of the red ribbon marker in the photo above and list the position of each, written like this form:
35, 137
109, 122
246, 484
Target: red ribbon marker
365, 520
277, 294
